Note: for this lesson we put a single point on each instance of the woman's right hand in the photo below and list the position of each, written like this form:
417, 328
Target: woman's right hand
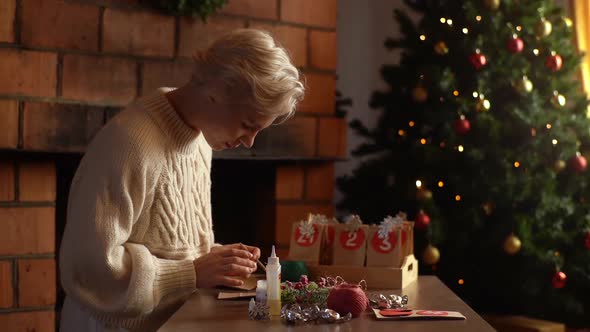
223, 267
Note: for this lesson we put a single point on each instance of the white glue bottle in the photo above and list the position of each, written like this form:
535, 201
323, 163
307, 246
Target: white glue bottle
273, 284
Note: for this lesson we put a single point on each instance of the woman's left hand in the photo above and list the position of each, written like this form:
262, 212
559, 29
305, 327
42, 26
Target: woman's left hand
253, 250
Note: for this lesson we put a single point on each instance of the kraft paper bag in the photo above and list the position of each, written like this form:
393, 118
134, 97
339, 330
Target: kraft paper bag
407, 238
329, 235
385, 245
350, 242
306, 241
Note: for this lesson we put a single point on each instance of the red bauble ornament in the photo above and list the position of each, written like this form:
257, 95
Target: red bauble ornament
422, 220
578, 163
554, 62
587, 240
462, 126
515, 45
558, 280
478, 60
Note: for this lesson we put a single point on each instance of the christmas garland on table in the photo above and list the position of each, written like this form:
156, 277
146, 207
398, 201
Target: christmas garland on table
201, 8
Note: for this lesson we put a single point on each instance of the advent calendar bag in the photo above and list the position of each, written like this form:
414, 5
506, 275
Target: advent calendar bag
350, 242
306, 241
385, 246
329, 235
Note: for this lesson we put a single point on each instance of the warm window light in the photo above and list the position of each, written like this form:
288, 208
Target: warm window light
465, 31
516, 164
457, 197
422, 37
411, 123
423, 141
548, 126
554, 141
418, 184
443, 20
455, 93
441, 184
478, 18
460, 148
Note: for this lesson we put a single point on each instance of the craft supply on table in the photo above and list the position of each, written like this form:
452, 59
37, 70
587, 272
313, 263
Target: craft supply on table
403, 314
273, 284
292, 314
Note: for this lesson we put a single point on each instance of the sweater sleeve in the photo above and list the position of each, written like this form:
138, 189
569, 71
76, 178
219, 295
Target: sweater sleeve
100, 268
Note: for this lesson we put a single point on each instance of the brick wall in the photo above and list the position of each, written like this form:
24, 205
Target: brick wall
67, 66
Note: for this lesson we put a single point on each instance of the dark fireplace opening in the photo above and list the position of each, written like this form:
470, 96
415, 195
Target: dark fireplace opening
242, 198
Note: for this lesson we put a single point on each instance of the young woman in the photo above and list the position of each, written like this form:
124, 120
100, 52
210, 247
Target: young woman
139, 235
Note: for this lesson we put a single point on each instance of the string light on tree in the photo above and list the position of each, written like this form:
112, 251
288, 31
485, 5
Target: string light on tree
483, 105
441, 48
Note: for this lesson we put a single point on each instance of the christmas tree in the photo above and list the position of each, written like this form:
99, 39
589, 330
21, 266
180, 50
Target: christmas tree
481, 138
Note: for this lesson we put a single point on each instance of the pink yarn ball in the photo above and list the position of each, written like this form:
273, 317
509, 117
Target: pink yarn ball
347, 298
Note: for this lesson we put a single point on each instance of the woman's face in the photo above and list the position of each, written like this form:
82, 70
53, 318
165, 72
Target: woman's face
229, 125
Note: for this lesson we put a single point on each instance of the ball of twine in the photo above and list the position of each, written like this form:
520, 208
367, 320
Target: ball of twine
345, 298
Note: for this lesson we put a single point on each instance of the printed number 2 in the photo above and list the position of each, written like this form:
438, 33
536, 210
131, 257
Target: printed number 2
351, 238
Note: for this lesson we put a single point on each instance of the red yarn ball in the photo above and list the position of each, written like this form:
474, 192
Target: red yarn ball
347, 298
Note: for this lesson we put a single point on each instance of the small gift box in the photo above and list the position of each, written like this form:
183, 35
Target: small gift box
350, 242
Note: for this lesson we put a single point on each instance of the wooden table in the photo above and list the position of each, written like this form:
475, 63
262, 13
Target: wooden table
203, 312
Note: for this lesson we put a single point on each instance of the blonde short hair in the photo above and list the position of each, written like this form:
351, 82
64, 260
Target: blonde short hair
251, 60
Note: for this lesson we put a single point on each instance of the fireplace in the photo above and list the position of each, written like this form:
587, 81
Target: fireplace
73, 65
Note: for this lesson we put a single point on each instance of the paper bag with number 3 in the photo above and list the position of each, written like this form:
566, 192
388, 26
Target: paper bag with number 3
350, 241
306, 241
385, 246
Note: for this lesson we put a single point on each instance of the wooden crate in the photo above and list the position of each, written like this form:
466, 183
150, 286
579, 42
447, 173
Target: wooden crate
376, 277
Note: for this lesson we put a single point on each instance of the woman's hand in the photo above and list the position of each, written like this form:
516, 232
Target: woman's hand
225, 264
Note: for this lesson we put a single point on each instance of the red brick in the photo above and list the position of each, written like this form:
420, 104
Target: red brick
32, 321
7, 14
6, 289
99, 79
287, 214
291, 38
27, 230
9, 120
252, 8
196, 35
310, 12
320, 181
59, 24
36, 282
168, 74
332, 137
289, 182
28, 72
6, 181
322, 46
60, 127
320, 94
37, 181
138, 32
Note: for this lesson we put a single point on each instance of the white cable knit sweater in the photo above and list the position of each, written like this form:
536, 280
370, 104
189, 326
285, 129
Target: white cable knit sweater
139, 212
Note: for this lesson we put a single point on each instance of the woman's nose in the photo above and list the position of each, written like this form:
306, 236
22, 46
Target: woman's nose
248, 140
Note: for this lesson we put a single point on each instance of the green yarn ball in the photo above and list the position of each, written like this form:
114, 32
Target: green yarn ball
293, 270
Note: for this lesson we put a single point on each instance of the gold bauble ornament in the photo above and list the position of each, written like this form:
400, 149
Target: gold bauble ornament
441, 48
431, 255
558, 100
567, 22
423, 194
543, 28
419, 94
512, 244
524, 85
559, 165
492, 4
483, 105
